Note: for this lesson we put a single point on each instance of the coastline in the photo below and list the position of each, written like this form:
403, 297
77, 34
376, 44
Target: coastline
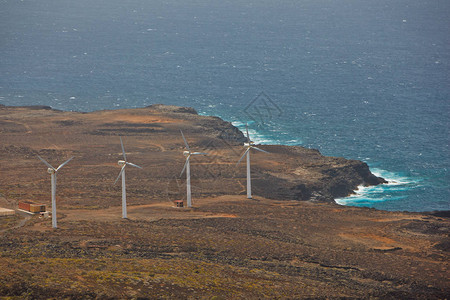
352, 193
289, 241
334, 177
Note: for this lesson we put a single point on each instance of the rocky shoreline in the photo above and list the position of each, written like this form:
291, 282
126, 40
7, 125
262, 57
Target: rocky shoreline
290, 241
290, 173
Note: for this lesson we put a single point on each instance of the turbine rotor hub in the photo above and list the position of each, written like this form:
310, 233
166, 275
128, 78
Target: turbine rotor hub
121, 163
50, 171
186, 153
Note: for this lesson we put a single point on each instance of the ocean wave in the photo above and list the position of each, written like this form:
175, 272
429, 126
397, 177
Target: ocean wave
255, 136
397, 180
395, 189
360, 200
398, 185
295, 142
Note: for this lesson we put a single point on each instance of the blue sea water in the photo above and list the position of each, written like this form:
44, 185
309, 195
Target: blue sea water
365, 80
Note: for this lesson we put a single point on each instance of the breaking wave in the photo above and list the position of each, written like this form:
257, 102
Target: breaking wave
393, 190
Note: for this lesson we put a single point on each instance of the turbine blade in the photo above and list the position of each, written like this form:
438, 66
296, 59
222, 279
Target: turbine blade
120, 174
46, 163
256, 148
63, 164
185, 142
248, 135
199, 153
185, 164
243, 155
123, 149
128, 163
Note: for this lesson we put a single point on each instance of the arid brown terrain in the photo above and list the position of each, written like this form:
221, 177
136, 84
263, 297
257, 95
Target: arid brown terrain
290, 241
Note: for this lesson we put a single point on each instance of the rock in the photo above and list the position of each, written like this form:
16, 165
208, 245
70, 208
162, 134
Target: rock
153, 135
172, 109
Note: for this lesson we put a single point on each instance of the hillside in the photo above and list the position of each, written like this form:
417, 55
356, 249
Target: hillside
290, 241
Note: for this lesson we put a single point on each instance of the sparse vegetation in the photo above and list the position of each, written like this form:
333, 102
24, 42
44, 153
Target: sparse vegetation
268, 250
227, 246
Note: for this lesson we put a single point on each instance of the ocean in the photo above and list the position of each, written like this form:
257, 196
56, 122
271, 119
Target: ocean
365, 80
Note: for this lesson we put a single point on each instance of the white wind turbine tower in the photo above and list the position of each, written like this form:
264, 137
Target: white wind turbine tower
249, 145
123, 163
53, 172
187, 167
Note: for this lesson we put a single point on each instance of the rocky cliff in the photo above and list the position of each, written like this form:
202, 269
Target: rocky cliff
152, 134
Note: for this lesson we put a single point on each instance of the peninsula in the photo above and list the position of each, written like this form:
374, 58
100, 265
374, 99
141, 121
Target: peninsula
291, 240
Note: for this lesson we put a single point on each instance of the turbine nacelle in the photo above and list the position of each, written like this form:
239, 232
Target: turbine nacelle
52, 171
123, 163
249, 145
187, 153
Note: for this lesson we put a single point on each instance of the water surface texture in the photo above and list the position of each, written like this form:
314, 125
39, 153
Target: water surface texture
364, 79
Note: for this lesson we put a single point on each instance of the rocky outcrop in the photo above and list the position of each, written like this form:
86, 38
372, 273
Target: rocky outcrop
172, 109
308, 175
287, 173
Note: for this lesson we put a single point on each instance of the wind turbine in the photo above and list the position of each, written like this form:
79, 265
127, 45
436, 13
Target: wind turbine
123, 163
187, 167
249, 145
53, 172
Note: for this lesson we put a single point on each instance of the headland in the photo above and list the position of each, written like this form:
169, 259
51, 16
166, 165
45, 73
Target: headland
291, 240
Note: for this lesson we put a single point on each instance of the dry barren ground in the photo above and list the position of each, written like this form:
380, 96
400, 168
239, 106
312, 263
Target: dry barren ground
226, 246
229, 247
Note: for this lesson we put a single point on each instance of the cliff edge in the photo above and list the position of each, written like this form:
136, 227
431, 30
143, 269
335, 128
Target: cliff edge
152, 134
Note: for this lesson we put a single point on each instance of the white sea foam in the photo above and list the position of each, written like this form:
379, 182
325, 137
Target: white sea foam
364, 195
255, 136
394, 179
295, 142
391, 191
259, 138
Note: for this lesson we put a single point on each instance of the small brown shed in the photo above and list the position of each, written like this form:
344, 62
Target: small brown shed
31, 206
178, 203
